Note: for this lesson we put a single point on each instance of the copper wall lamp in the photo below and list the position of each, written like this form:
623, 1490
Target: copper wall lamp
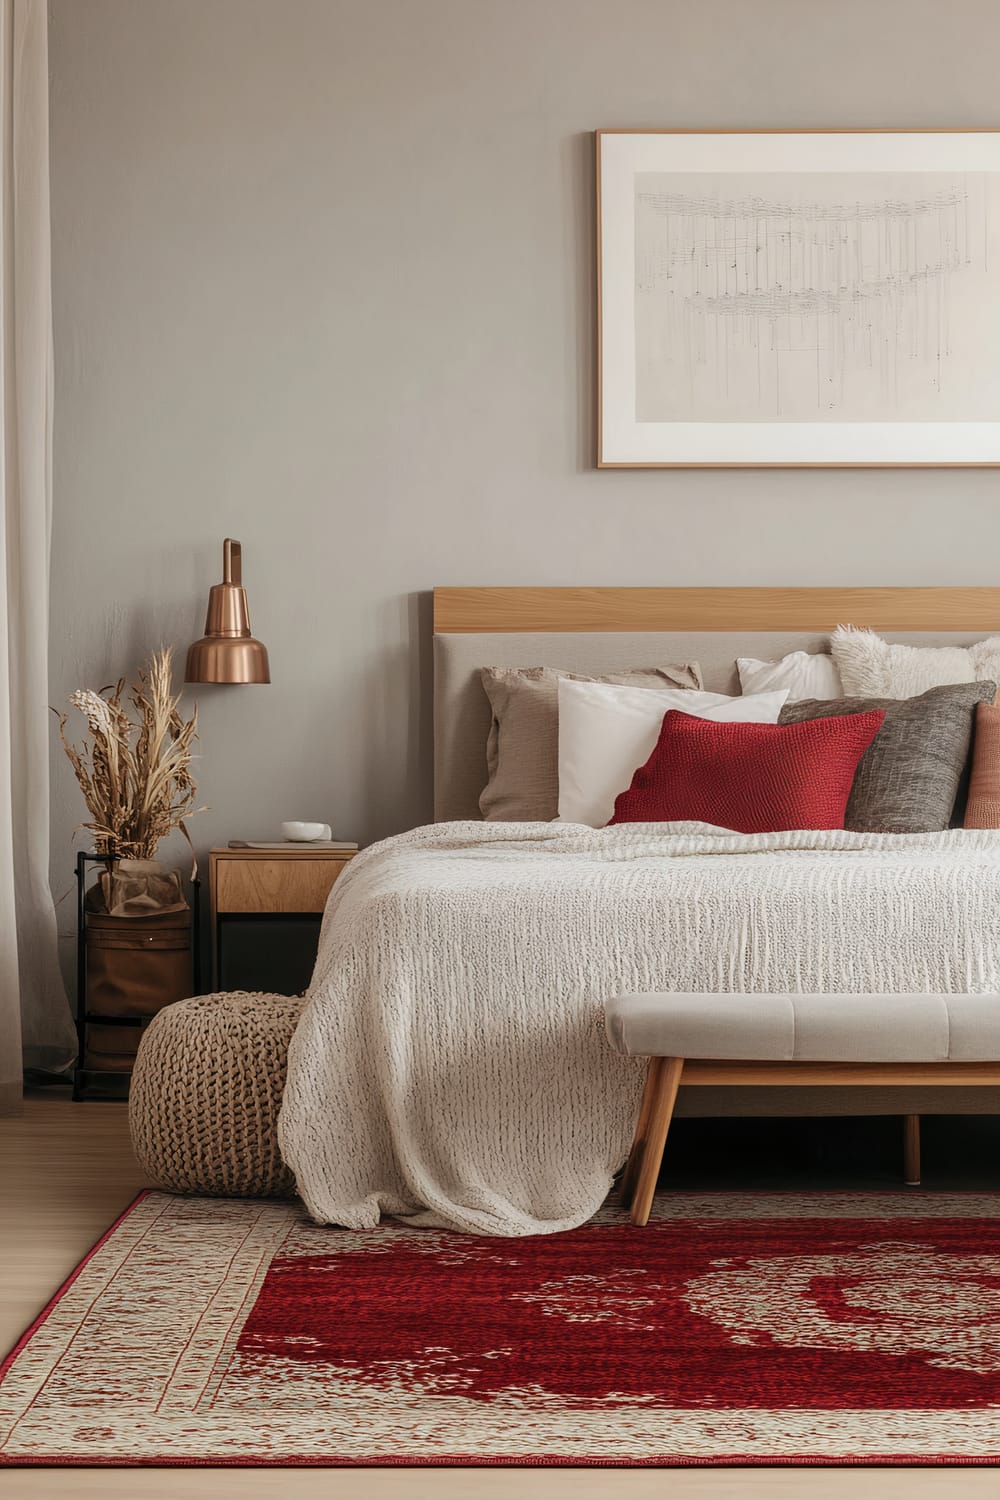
227, 652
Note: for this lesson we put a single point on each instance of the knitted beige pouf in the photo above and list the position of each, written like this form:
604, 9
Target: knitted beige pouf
206, 1089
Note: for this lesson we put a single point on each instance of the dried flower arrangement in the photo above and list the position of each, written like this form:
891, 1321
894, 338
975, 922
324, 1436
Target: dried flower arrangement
135, 773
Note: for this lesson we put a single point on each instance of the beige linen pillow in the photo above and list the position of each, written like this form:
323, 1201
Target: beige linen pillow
873, 668
522, 752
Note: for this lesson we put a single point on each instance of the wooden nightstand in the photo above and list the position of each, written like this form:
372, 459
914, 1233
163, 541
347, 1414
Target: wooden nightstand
263, 884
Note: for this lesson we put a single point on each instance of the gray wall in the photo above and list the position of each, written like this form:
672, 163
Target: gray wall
324, 280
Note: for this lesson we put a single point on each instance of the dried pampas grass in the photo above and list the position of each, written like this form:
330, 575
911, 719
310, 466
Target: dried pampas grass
135, 774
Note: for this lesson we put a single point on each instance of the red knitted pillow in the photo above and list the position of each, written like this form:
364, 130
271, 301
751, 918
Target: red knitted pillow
754, 778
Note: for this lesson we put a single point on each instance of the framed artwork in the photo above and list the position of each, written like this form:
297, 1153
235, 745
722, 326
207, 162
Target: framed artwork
798, 298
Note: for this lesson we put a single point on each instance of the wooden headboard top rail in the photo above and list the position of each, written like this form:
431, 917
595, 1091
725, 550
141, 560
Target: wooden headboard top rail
483, 610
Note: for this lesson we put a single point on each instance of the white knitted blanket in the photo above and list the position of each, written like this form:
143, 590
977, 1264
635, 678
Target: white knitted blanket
451, 1066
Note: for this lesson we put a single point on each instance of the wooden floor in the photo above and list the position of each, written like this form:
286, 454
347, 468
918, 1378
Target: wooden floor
66, 1171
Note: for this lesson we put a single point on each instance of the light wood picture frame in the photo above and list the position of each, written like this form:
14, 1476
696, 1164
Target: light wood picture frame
815, 298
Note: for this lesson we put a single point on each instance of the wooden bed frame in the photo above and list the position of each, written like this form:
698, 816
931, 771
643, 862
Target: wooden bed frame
974, 609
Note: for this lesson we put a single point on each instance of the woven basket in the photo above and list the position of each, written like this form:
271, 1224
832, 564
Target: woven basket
206, 1089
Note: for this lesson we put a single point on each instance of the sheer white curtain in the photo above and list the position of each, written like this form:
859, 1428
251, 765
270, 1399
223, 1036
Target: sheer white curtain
35, 1024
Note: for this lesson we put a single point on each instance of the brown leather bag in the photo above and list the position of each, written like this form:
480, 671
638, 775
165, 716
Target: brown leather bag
136, 965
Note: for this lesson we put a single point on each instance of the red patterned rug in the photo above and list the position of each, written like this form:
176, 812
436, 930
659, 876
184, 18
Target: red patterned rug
735, 1329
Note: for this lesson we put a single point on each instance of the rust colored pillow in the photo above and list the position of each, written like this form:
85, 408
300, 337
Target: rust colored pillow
982, 810
753, 778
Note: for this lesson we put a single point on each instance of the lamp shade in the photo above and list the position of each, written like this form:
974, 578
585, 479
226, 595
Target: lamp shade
227, 652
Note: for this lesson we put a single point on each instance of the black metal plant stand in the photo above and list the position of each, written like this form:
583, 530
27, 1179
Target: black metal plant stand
84, 1015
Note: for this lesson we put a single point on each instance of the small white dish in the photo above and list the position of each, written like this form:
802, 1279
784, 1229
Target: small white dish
305, 833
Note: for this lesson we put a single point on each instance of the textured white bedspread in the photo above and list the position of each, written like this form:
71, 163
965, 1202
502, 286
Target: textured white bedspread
451, 1065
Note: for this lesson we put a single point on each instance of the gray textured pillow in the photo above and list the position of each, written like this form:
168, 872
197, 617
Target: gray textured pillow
522, 752
909, 777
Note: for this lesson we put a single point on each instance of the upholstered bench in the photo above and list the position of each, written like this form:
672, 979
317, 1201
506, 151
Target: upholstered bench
795, 1039
205, 1095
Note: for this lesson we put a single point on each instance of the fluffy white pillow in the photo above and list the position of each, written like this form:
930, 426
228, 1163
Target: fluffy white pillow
872, 668
805, 674
606, 733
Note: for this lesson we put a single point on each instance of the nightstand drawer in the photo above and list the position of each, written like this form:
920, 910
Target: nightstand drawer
274, 885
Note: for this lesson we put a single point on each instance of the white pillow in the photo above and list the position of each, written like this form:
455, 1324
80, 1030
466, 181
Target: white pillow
805, 674
606, 733
872, 668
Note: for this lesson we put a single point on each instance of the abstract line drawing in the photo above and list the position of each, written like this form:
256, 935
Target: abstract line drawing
819, 297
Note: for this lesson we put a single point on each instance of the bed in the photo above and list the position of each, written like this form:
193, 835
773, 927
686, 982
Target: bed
451, 1067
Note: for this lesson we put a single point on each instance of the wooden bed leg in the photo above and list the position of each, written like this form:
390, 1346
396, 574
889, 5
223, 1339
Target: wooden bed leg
661, 1109
911, 1150
631, 1172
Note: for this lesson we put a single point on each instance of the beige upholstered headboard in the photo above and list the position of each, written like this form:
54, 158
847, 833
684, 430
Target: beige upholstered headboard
599, 630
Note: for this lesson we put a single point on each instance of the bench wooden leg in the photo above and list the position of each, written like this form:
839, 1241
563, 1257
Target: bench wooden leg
911, 1150
662, 1085
631, 1172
